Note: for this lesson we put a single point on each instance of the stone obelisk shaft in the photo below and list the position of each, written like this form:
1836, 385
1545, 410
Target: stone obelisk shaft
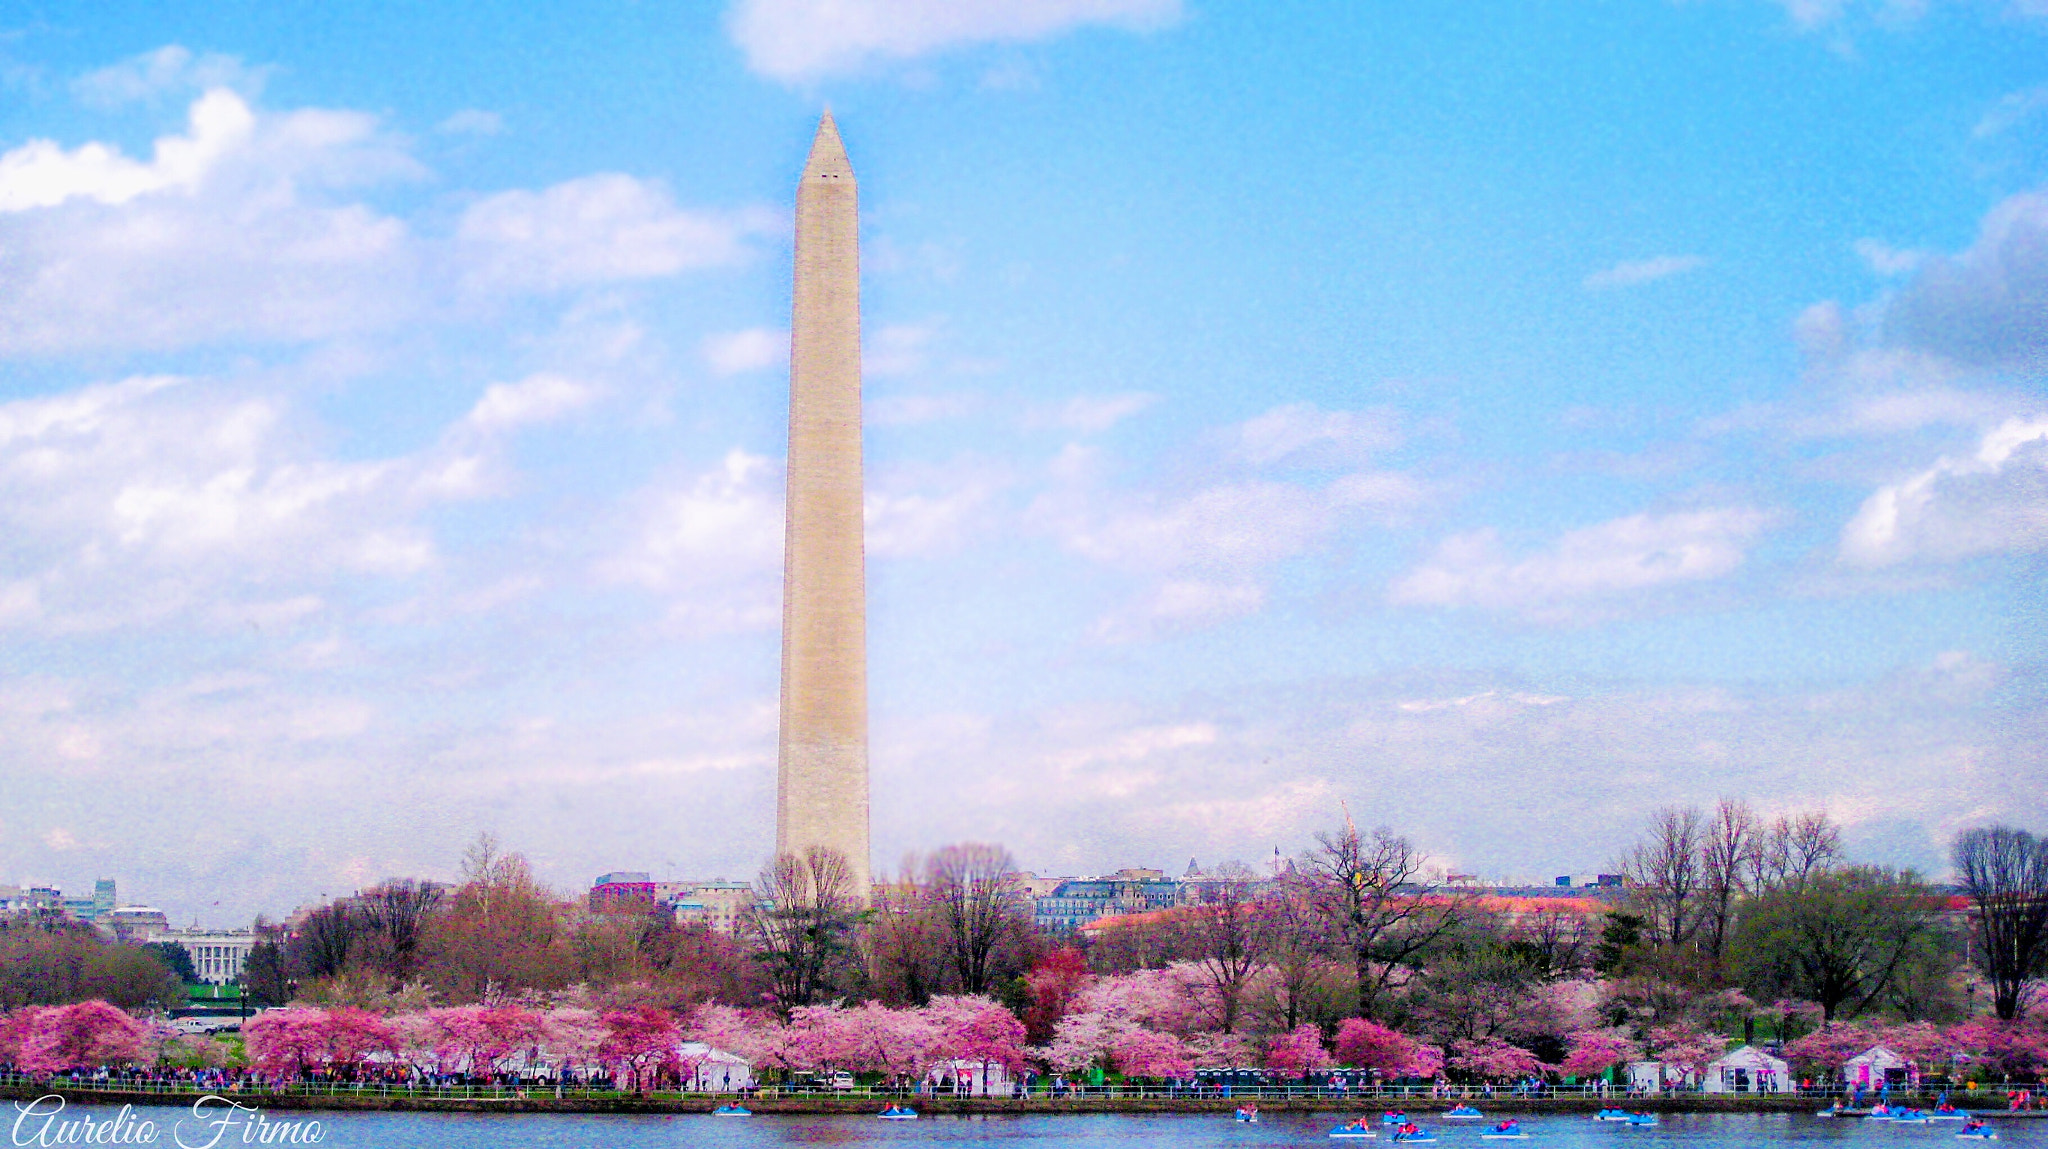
822, 777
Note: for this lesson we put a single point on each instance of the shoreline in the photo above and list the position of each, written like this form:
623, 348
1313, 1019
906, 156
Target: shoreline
943, 1106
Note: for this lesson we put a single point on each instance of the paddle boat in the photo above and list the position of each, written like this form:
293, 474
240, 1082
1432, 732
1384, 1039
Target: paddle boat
1836, 1110
1357, 1130
732, 1111
1976, 1130
1463, 1113
1393, 1117
1249, 1114
1509, 1130
1611, 1115
1910, 1117
1411, 1133
1947, 1112
1642, 1119
1880, 1112
898, 1113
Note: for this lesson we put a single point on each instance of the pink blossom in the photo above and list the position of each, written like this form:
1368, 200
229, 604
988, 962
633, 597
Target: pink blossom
1825, 1049
287, 1041
639, 1039
977, 1029
1370, 1045
1298, 1051
2014, 1050
757, 1035
1687, 1047
1594, 1051
571, 1036
88, 1034
1141, 1053
1495, 1060
1220, 1050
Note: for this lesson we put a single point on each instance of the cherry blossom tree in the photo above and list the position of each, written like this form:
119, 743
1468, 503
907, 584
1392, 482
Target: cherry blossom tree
1299, 1051
639, 1040
1686, 1047
1590, 1052
975, 1028
1142, 1053
287, 1041
1491, 1059
1052, 986
1370, 1045
2014, 1050
348, 1036
1825, 1049
1220, 1050
572, 1036
87, 1034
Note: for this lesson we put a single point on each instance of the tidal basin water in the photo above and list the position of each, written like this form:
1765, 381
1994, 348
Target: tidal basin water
1205, 1131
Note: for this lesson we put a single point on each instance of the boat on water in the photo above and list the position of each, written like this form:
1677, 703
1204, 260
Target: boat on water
1911, 1117
1412, 1133
1509, 1130
1976, 1130
1463, 1113
1249, 1114
1947, 1113
732, 1111
1355, 1131
1392, 1117
1642, 1119
1611, 1115
898, 1113
1881, 1112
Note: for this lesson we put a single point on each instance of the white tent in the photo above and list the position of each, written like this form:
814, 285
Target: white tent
1874, 1067
974, 1078
1645, 1076
716, 1070
1748, 1070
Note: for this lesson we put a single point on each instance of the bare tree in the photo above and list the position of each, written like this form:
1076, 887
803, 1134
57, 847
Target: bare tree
980, 902
1226, 934
398, 912
1368, 892
904, 938
2005, 873
801, 923
1298, 947
1794, 849
1665, 872
1728, 851
328, 939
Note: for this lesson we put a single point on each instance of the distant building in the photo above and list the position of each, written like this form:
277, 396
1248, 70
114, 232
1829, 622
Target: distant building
718, 904
621, 889
1078, 901
217, 955
135, 923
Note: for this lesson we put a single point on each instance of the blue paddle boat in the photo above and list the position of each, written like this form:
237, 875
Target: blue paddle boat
1976, 1130
732, 1111
1641, 1119
1509, 1130
1611, 1115
898, 1113
1357, 1130
1463, 1113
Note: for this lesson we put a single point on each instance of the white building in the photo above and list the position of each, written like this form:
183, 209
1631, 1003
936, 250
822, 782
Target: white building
217, 955
717, 1071
969, 1078
1748, 1070
1875, 1067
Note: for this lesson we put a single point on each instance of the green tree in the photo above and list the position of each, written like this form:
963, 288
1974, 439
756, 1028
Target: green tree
1840, 939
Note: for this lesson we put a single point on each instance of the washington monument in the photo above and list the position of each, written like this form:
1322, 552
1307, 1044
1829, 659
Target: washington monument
822, 766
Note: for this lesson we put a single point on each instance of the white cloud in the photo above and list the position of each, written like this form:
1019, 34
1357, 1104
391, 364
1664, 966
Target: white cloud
157, 497
40, 173
1994, 499
596, 229
1302, 429
904, 521
1630, 272
896, 349
169, 70
1092, 414
753, 349
1886, 260
799, 40
712, 545
472, 122
1589, 571
2010, 111
538, 398
1985, 306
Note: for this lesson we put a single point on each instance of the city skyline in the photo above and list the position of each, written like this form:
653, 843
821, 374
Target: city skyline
1503, 425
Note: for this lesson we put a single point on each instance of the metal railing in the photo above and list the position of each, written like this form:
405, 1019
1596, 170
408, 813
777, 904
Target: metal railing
1040, 1092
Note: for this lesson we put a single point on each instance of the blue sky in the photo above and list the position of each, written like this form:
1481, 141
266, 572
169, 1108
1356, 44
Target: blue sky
1495, 423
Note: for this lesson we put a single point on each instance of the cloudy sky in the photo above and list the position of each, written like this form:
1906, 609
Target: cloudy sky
1498, 422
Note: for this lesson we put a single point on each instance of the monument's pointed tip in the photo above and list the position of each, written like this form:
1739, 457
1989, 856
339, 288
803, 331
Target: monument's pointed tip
826, 146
